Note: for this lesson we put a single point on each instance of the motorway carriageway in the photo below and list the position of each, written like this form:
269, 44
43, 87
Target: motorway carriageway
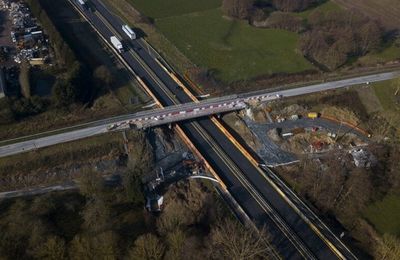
251, 188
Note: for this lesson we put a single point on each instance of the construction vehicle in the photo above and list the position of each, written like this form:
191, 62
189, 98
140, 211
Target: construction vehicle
312, 115
117, 44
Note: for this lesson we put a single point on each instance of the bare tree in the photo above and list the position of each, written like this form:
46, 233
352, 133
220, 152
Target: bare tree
293, 5
91, 183
356, 194
231, 240
147, 246
388, 248
237, 8
370, 35
101, 246
96, 216
176, 240
173, 218
52, 249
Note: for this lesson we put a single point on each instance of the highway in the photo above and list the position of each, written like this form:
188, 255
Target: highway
293, 234
295, 230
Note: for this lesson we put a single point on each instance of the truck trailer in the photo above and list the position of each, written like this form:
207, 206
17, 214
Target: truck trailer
131, 34
117, 44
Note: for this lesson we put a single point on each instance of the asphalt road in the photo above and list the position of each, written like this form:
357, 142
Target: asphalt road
262, 195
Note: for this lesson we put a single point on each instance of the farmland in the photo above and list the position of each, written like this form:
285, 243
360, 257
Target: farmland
385, 215
233, 49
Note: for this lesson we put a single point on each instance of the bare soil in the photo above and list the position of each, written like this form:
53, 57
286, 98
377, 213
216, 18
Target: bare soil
237, 124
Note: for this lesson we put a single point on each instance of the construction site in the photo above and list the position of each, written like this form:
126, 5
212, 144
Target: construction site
284, 135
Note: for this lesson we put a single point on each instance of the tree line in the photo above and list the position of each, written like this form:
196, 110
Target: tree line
247, 8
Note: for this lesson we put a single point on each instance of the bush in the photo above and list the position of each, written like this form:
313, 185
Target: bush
237, 8
285, 21
63, 93
28, 106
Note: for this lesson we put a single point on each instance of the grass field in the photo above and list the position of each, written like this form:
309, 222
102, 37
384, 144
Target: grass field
390, 53
385, 91
385, 215
233, 49
165, 8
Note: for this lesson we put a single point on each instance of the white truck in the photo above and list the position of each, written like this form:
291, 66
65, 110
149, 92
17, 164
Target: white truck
131, 34
117, 44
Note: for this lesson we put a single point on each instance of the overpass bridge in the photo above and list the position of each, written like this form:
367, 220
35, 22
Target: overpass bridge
139, 120
181, 112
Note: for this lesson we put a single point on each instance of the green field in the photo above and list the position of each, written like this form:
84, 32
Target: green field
390, 53
385, 91
233, 49
385, 215
165, 8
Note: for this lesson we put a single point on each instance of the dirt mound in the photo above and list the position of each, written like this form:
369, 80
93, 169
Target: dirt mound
274, 135
341, 114
237, 124
294, 109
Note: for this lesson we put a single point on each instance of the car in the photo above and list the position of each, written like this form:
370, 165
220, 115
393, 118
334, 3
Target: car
111, 127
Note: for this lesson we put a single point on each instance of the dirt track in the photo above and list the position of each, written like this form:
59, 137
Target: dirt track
386, 11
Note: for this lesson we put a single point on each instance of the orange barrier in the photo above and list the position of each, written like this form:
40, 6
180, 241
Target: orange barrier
366, 133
